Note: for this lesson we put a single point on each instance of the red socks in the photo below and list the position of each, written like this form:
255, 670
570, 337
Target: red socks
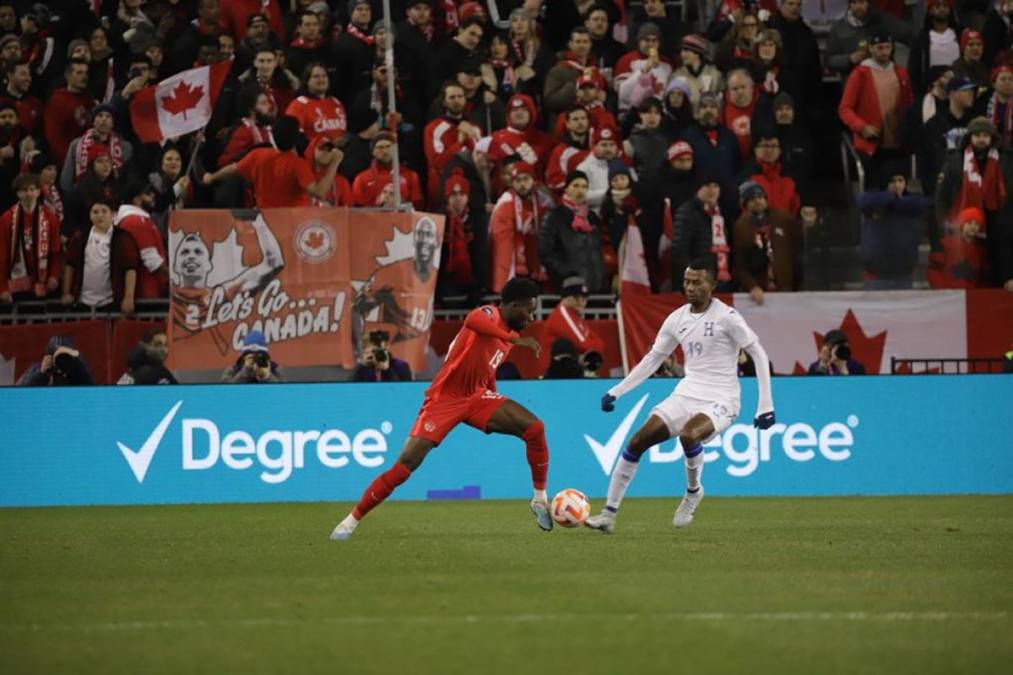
538, 454
380, 489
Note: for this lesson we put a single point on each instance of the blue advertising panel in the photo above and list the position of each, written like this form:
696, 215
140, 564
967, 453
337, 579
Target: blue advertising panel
313, 442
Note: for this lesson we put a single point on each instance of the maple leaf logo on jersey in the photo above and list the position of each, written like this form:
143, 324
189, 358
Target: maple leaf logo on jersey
866, 349
184, 98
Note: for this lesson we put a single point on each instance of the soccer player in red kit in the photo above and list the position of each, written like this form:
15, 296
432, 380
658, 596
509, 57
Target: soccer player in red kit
465, 391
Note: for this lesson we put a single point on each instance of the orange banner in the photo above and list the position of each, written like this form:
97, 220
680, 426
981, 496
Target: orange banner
314, 281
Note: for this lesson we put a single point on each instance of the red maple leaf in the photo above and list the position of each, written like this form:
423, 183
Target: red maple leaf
315, 240
183, 98
867, 350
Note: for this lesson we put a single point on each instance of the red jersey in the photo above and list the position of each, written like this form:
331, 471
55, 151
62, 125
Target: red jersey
441, 142
564, 322
323, 116
280, 179
479, 348
562, 161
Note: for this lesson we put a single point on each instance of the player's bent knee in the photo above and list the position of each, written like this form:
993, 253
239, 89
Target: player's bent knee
534, 431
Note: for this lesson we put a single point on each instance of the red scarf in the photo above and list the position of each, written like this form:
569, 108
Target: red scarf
761, 238
51, 196
300, 43
359, 35
983, 191
450, 16
571, 60
719, 242
525, 228
27, 234
1002, 117
459, 235
580, 222
114, 144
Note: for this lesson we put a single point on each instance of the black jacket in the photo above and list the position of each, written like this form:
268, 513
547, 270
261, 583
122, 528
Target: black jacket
693, 236
563, 250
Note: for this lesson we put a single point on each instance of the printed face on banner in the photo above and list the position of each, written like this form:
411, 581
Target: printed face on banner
291, 275
394, 285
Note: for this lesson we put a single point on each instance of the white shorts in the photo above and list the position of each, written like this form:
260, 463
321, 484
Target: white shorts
677, 409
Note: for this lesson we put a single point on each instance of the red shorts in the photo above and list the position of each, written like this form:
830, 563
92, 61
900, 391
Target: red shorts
438, 417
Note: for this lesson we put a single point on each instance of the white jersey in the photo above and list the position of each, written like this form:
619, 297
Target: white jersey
710, 342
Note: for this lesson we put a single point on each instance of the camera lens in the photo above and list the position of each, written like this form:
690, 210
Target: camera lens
380, 355
843, 351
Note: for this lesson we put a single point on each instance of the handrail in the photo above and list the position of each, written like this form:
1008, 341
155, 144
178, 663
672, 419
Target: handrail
848, 149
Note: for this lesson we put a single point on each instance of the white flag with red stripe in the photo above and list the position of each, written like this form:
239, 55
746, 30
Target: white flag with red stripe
178, 105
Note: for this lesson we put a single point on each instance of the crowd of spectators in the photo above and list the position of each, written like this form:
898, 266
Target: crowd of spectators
544, 142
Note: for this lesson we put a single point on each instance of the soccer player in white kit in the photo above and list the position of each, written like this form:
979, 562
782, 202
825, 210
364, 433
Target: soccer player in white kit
704, 403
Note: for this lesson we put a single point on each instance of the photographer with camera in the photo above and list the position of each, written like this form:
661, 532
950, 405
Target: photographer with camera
378, 364
835, 357
567, 322
146, 361
254, 365
563, 362
61, 366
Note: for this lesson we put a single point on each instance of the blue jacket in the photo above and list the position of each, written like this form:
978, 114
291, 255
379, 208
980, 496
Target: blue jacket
892, 227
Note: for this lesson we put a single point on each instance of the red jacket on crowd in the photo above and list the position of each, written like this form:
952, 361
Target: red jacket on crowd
860, 105
29, 113
781, 191
66, 117
598, 116
566, 323
369, 184
340, 193
441, 142
531, 144
563, 159
245, 135
147, 255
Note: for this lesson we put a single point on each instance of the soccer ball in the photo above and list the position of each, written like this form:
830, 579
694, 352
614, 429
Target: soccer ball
570, 508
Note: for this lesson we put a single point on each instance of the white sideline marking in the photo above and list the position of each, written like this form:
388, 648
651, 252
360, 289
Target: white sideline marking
519, 618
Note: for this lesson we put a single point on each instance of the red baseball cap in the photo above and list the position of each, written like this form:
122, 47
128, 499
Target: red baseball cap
678, 149
591, 76
603, 134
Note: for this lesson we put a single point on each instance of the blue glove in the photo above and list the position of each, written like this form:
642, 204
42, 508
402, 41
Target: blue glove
608, 402
764, 421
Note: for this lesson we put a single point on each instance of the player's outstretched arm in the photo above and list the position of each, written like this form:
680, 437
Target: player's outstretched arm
664, 345
765, 407
272, 262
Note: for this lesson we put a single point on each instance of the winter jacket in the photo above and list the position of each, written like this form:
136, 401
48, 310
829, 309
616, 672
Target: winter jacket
751, 263
722, 158
781, 191
845, 38
891, 231
693, 236
860, 105
650, 157
563, 250
801, 51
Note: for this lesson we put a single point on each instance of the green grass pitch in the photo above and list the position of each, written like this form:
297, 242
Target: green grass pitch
852, 585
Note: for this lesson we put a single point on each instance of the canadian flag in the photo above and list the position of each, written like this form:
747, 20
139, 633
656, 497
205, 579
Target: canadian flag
179, 104
633, 274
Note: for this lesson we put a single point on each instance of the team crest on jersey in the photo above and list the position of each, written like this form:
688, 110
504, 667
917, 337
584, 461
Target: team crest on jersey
429, 426
315, 241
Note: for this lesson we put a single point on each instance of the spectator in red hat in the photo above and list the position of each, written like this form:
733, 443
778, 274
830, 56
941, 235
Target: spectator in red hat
30, 262
374, 186
595, 167
570, 241
447, 135
696, 70
570, 151
513, 230
936, 44
521, 136
970, 65
100, 133
561, 80
67, 110
999, 106
319, 114
465, 242
998, 32
591, 96
644, 68
964, 260
321, 153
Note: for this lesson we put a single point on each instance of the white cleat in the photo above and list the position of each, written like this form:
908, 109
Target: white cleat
540, 508
604, 521
687, 507
345, 529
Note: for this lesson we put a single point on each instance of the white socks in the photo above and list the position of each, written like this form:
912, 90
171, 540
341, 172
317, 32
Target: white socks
541, 496
622, 476
694, 467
